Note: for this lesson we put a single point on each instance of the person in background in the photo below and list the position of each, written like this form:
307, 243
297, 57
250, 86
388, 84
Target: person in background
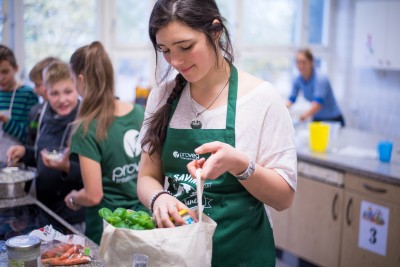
16, 101
56, 177
316, 88
232, 125
105, 140
35, 75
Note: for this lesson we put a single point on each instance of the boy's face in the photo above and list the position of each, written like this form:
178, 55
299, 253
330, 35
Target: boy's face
7, 76
62, 96
40, 89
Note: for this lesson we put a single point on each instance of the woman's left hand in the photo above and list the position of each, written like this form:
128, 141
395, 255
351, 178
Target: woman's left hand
62, 165
69, 200
224, 158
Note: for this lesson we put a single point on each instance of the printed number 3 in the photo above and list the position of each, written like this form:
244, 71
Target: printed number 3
373, 232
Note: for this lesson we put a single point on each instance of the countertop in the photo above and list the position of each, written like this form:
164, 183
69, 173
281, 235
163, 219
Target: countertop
352, 151
5, 203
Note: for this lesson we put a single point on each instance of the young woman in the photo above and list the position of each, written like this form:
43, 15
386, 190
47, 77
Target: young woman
316, 89
229, 123
56, 178
105, 139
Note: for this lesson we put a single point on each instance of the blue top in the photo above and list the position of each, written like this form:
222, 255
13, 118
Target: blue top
318, 89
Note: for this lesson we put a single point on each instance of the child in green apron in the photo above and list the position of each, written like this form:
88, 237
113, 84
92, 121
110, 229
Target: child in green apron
229, 123
105, 140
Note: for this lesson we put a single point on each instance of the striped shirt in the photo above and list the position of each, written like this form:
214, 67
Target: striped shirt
24, 99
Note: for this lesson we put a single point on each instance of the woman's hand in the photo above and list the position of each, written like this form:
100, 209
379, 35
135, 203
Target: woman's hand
69, 200
167, 206
62, 165
224, 158
15, 154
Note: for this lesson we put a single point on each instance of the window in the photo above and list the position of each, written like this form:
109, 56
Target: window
2, 20
271, 31
57, 28
269, 22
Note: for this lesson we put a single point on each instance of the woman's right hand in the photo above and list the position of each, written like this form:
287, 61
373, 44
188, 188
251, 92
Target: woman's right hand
167, 206
15, 154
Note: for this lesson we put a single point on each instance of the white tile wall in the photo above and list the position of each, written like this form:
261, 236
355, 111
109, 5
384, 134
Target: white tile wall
369, 99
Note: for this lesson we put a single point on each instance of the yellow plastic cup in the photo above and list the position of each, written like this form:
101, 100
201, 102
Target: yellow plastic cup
319, 136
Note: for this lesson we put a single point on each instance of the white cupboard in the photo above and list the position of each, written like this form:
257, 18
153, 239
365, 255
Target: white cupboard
377, 35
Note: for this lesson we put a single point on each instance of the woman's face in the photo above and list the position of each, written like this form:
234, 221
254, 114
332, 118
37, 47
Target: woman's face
304, 65
186, 50
7, 76
62, 96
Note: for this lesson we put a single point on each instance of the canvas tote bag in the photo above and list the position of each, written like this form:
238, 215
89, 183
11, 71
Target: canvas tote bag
188, 245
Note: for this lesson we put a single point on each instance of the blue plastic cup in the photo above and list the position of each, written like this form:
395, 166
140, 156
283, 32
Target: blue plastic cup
385, 150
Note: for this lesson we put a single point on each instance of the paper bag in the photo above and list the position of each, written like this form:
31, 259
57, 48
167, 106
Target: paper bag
188, 245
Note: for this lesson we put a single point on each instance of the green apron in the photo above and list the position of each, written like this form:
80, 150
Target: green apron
243, 236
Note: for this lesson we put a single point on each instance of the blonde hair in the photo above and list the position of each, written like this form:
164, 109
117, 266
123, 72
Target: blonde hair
55, 72
93, 63
36, 72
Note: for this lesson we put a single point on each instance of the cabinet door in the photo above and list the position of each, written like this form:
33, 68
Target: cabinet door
315, 222
280, 224
369, 34
393, 36
351, 254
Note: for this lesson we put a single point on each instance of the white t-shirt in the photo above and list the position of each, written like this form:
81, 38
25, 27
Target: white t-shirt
263, 127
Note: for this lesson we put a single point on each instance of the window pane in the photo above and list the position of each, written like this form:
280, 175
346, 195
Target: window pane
269, 22
316, 23
275, 70
57, 28
132, 21
227, 8
2, 20
131, 72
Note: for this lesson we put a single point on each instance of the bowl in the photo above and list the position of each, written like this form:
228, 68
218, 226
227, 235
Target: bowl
55, 153
13, 180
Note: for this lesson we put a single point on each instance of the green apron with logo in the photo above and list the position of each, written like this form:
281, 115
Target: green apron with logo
243, 236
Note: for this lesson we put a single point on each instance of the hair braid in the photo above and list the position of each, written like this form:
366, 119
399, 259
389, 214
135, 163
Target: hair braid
158, 122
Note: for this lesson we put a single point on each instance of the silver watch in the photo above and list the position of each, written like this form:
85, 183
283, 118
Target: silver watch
248, 172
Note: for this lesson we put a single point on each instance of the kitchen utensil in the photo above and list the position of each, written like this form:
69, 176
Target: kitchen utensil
13, 180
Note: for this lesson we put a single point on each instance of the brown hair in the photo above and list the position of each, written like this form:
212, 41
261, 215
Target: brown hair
93, 63
55, 72
36, 72
307, 53
199, 15
6, 54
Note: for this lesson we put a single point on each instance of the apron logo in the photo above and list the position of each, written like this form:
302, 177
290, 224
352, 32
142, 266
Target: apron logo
131, 145
125, 173
185, 156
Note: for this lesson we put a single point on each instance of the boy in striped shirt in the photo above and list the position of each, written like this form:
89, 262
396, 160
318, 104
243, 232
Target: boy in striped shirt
16, 100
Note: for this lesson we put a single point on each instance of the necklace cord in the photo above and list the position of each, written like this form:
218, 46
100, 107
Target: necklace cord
197, 113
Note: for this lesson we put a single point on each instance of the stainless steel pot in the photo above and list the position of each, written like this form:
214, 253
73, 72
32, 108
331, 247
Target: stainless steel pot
13, 180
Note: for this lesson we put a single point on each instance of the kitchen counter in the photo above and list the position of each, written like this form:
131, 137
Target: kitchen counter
29, 200
352, 151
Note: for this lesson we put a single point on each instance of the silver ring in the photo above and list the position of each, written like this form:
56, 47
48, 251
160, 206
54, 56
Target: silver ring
71, 201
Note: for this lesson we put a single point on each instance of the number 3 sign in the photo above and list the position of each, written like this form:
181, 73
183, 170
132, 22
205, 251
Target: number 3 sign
373, 230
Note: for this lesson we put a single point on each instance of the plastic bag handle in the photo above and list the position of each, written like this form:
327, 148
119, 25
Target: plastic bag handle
199, 186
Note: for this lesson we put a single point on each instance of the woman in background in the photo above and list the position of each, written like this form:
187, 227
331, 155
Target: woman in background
105, 140
316, 88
